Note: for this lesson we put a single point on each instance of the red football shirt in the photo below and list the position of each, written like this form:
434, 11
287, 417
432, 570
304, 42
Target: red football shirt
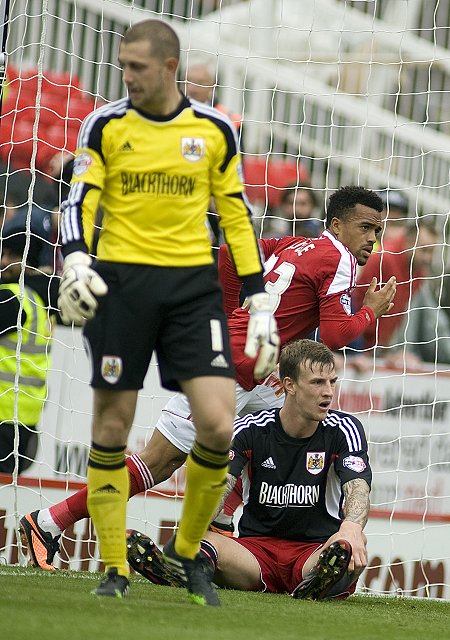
310, 281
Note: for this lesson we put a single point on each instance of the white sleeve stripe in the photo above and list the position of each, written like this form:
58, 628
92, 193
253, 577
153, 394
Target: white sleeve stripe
350, 439
70, 225
74, 202
354, 434
261, 419
119, 107
144, 471
348, 428
64, 237
347, 437
66, 231
214, 113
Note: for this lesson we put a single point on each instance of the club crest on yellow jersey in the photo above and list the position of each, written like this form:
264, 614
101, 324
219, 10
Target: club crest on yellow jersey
193, 149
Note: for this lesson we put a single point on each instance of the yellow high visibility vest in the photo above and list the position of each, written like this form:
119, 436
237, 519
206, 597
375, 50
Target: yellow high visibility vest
31, 361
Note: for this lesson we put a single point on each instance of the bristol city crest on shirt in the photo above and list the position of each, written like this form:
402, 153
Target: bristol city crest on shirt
315, 461
193, 149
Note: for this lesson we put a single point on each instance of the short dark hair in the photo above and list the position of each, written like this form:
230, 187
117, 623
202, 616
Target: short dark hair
342, 202
14, 234
299, 353
162, 38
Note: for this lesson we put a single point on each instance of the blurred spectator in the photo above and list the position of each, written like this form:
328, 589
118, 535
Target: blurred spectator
266, 176
409, 259
395, 214
297, 215
16, 184
41, 224
200, 85
425, 332
60, 168
31, 308
8, 206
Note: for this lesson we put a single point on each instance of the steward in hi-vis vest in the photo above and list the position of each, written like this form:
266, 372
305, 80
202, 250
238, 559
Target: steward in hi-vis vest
25, 335
29, 348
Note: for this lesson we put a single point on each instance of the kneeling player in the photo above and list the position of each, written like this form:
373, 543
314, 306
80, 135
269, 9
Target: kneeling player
309, 478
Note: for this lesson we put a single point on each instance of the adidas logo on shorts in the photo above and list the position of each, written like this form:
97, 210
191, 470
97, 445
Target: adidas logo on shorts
219, 361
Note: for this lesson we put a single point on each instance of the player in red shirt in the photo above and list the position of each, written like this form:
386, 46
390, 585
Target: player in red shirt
310, 281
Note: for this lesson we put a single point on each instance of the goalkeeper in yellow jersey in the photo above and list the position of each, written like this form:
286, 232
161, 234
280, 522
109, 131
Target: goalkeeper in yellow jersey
152, 161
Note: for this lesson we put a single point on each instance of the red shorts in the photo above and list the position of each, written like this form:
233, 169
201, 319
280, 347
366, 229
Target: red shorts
281, 561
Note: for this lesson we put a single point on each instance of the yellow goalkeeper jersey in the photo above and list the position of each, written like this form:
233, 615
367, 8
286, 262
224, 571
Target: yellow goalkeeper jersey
153, 178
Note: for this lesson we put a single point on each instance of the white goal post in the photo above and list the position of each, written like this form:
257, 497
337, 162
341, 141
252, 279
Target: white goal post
331, 92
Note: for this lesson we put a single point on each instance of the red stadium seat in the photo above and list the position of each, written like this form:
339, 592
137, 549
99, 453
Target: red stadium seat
67, 107
61, 137
265, 178
6, 125
63, 106
21, 153
12, 72
79, 109
17, 98
62, 78
22, 130
28, 81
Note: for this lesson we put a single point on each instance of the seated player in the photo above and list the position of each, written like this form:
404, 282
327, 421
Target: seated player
311, 281
301, 531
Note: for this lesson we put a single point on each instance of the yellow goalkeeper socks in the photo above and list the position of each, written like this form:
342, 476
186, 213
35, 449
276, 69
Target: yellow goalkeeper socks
206, 473
108, 489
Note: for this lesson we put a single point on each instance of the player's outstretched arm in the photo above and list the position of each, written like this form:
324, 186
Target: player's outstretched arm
381, 301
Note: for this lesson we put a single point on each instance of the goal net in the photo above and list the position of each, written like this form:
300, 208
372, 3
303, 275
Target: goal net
323, 93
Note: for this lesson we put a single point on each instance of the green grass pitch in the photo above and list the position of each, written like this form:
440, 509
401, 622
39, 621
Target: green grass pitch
37, 605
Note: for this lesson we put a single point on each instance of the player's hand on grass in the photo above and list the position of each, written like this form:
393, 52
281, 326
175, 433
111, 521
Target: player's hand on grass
263, 341
381, 301
78, 289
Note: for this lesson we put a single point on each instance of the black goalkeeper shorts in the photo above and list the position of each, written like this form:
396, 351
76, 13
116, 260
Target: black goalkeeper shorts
175, 311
